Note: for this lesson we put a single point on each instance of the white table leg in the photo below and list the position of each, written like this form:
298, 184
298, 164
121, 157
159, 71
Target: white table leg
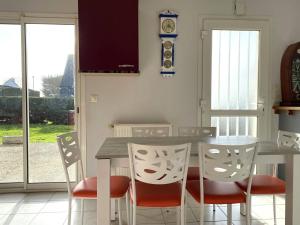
103, 187
292, 215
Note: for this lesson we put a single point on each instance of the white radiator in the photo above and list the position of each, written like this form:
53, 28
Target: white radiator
122, 130
125, 130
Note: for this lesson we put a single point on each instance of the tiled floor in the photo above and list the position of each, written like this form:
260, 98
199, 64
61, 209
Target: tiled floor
51, 209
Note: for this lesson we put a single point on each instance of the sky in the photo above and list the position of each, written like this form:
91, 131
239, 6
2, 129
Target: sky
47, 49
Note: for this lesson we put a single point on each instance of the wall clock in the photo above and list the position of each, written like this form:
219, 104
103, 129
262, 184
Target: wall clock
168, 35
290, 76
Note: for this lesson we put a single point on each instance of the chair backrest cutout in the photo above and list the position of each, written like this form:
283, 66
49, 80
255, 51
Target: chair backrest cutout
158, 164
227, 163
197, 131
288, 139
69, 148
151, 131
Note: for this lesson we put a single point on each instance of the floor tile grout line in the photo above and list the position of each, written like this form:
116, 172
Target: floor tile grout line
11, 215
46, 203
31, 221
218, 206
162, 213
196, 215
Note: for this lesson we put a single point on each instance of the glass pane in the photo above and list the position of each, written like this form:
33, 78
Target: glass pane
235, 126
50, 74
11, 132
234, 69
233, 123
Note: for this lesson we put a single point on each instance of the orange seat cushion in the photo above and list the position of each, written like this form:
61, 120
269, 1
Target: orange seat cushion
193, 173
153, 195
87, 188
119, 186
216, 192
264, 184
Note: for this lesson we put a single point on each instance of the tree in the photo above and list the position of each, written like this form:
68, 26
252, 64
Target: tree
51, 85
67, 82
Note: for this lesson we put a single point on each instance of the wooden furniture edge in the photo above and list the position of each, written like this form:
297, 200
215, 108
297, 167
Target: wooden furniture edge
290, 109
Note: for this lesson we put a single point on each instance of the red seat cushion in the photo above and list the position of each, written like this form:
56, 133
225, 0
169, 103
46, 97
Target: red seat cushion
153, 195
193, 173
118, 186
216, 192
87, 188
264, 184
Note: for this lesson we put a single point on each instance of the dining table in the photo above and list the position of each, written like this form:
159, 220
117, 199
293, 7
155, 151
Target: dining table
113, 153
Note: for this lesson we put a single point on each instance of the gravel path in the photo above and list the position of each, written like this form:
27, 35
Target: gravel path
45, 164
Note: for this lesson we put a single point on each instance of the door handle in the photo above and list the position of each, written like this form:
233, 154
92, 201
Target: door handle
125, 66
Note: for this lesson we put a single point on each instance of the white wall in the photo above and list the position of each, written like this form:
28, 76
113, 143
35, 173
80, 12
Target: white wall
39, 6
152, 98
149, 97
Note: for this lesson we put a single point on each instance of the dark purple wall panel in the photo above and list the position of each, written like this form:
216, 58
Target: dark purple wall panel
108, 35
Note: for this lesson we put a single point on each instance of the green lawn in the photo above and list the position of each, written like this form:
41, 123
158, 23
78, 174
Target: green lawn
38, 132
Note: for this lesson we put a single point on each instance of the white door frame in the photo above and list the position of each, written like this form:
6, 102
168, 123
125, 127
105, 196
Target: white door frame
264, 103
23, 19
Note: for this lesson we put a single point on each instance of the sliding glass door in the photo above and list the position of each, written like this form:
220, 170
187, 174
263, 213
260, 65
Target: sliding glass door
50, 79
11, 124
39, 71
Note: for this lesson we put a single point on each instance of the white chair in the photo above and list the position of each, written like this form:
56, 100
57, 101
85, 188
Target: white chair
87, 188
223, 165
197, 131
288, 139
193, 172
158, 177
151, 131
272, 185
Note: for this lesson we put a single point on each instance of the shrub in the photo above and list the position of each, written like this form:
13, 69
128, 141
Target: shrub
41, 109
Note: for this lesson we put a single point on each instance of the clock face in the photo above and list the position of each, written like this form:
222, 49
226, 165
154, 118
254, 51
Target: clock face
167, 54
168, 25
167, 64
168, 44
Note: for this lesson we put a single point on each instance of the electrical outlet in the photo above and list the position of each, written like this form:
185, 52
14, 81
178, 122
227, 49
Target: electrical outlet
93, 99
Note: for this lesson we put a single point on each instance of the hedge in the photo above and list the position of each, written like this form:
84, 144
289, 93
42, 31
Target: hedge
11, 91
41, 109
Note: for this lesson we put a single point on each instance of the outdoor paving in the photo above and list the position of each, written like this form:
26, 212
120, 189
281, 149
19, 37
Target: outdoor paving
45, 164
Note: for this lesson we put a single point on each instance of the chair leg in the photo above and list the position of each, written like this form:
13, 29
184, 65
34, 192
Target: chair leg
229, 214
134, 214
250, 207
113, 211
274, 209
214, 208
185, 208
178, 216
248, 210
70, 210
119, 211
243, 210
127, 208
82, 210
130, 214
201, 214
182, 214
